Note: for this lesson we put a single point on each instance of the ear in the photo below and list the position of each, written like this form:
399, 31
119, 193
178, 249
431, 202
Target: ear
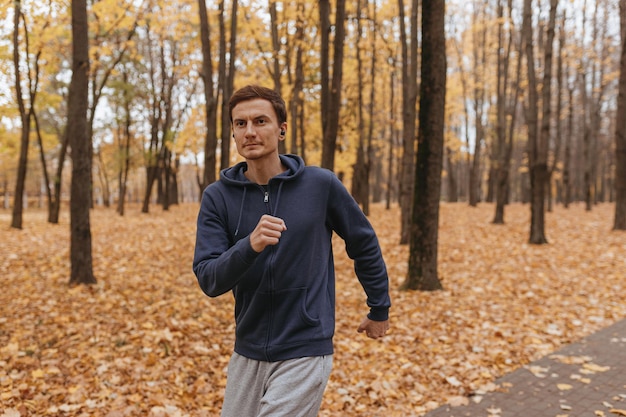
283, 130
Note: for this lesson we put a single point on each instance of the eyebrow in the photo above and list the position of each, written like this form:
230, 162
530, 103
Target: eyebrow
260, 116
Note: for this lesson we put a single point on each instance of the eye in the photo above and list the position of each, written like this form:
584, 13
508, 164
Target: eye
261, 121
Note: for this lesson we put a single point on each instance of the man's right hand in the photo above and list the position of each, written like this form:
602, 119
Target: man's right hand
267, 232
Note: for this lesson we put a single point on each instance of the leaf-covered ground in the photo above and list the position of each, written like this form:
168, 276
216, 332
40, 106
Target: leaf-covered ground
145, 341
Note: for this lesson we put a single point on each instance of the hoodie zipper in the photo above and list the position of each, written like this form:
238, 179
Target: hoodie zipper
268, 337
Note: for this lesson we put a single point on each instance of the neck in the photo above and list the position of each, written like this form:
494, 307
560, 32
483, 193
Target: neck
261, 172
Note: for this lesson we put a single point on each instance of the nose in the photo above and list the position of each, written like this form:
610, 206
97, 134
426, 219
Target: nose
249, 129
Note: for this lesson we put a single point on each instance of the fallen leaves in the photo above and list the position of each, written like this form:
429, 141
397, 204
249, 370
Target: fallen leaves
146, 341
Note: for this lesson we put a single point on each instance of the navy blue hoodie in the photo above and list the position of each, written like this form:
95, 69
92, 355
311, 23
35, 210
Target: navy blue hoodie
285, 295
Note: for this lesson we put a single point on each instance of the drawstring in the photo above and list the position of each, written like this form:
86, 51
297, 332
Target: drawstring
243, 200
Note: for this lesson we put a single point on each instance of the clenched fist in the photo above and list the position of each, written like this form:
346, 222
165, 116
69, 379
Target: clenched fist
267, 232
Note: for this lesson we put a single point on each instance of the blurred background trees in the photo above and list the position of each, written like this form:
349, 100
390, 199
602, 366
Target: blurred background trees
531, 108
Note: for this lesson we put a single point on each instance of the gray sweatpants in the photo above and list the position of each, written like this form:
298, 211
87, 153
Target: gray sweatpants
291, 388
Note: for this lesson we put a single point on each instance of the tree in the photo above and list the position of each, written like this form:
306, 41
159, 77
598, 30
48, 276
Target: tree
409, 100
422, 273
362, 165
296, 102
226, 77
538, 138
507, 99
559, 112
331, 93
80, 195
124, 141
479, 52
620, 133
210, 101
170, 88
593, 83
25, 117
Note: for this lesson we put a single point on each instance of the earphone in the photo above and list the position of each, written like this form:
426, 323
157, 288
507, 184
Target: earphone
282, 132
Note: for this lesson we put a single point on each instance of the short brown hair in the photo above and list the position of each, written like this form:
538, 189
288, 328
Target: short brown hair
251, 92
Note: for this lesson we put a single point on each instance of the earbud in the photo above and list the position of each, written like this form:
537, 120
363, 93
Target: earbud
282, 132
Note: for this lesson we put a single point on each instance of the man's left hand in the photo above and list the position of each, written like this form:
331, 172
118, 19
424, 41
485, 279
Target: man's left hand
373, 329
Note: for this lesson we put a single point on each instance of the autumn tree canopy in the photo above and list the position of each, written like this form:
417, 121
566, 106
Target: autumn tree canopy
150, 88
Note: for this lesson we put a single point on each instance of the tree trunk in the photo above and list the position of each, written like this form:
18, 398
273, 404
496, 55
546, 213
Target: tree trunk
227, 79
422, 273
18, 202
295, 105
503, 60
276, 71
331, 129
324, 10
559, 109
80, 195
409, 100
392, 137
360, 175
371, 151
479, 46
620, 134
210, 145
55, 206
538, 139
124, 150
453, 195
567, 184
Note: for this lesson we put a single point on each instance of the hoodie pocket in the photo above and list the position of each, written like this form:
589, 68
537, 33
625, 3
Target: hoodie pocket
278, 318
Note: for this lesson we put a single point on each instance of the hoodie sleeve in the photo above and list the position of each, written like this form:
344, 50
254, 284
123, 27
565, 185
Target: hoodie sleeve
217, 264
348, 221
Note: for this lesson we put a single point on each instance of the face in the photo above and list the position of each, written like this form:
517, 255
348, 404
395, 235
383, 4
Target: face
256, 129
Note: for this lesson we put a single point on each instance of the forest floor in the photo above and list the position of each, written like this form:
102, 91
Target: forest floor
145, 340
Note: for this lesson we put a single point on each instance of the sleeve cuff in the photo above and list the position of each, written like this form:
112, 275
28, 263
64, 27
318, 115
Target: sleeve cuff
378, 314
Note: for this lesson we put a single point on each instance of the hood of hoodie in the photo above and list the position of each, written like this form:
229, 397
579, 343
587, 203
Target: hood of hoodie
235, 175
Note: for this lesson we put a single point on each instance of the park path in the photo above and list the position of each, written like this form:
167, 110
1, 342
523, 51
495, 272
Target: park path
584, 379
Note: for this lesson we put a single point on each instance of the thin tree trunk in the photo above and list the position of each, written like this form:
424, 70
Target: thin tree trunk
210, 145
479, 46
295, 105
392, 137
124, 149
331, 129
567, 185
620, 134
80, 196
538, 139
453, 196
559, 110
409, 100
18, 202
360, 169
227, 78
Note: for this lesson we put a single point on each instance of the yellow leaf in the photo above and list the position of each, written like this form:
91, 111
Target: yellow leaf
564, 387
595, 368
618, 412
37, 373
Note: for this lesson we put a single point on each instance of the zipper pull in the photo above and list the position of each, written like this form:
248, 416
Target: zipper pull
267, 197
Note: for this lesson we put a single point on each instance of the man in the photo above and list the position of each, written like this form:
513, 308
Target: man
264, 233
